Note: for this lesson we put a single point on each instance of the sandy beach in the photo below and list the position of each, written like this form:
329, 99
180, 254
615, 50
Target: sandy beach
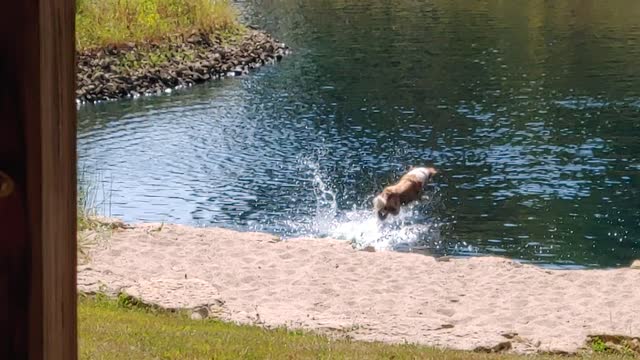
326, 285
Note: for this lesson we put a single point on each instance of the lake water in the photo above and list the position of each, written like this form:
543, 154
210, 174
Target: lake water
530, 109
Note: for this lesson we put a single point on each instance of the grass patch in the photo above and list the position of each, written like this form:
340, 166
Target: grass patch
616, 344
94, 201
112, 22
111, 329
598, 345
88, 204
92, 227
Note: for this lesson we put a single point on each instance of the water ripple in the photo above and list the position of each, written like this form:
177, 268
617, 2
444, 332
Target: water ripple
536, 137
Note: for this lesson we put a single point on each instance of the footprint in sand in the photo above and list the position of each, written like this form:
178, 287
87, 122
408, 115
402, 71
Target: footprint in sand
521, 303
247, 279
248, 260
327, 291
285, 256
319, 307
446, 312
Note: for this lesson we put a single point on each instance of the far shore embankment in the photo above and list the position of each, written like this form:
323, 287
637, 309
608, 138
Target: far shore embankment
139, 47
132, 70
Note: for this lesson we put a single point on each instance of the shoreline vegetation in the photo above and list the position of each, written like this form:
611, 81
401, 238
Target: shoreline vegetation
110, 327
129, 48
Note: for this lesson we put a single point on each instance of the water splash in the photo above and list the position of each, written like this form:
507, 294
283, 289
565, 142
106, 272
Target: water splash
413, 228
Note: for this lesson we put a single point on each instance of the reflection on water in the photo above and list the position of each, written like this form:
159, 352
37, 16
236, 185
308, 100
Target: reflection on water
530, 109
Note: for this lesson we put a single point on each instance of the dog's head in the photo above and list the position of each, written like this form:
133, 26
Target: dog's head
386, 203
431, 172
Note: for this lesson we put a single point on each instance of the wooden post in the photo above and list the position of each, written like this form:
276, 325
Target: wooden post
37, 180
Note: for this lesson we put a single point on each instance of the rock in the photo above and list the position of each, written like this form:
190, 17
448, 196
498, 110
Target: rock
446, 326
634, 344
200, 313
125, 70
98, 75
501, 347
636, 264
537, 343
111, 88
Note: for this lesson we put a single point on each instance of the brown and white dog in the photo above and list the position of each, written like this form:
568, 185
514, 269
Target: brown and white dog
406, 190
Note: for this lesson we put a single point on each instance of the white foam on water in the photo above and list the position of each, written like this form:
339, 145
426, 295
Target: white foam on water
363, 229
361, 225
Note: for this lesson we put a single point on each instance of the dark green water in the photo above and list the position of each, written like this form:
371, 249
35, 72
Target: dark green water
531, 109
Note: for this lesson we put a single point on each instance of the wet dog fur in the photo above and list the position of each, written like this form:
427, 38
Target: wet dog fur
408, 189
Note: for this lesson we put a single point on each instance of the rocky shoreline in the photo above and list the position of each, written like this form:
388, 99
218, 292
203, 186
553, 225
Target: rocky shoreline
133, 70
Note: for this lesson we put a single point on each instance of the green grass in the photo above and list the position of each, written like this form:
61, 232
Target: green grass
615, 344
92, 227
598, 345
87, 200
112, 22
123, 329
94, 200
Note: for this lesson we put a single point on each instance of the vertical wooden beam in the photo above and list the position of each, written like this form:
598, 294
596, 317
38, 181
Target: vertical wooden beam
38, 162
58, 165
